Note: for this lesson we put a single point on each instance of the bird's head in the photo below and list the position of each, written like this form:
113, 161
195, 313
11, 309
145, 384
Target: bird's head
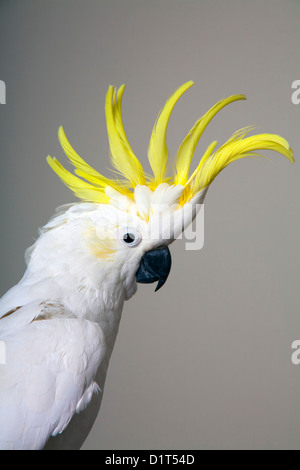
141, 214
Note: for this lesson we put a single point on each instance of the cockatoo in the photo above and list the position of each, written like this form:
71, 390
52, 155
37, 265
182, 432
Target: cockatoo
60, 322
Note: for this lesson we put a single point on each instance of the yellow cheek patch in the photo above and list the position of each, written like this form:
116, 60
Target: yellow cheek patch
100, 245
103, 251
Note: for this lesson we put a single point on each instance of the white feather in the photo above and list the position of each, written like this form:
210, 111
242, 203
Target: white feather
59, 324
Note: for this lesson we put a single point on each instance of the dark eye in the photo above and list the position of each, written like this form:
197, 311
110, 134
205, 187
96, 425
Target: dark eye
129, 237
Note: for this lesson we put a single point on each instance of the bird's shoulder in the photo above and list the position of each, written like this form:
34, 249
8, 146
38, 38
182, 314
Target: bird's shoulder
51, 361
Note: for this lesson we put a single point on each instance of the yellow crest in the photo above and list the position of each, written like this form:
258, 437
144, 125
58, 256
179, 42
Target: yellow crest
89, 185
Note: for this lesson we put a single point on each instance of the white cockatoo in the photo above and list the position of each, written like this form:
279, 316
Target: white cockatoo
58, 325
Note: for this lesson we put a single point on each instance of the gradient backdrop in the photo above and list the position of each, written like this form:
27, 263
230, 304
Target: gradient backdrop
205, 363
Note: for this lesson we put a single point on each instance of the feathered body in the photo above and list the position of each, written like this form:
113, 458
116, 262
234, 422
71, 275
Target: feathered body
60, 322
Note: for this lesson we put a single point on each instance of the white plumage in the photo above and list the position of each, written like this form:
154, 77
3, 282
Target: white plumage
59, 325
60, 322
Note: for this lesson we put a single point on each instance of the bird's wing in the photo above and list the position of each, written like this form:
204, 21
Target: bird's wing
48, 373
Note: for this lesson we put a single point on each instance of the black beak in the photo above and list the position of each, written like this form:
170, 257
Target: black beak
155, 266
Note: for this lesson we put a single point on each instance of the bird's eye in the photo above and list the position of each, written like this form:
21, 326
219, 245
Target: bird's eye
129, 237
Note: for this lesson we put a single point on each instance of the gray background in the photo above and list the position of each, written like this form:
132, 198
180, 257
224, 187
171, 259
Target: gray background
205, 363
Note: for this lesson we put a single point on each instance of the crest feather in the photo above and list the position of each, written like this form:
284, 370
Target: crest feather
187, 148
80, 188
157, 150
95, 187
122, 156
237, 147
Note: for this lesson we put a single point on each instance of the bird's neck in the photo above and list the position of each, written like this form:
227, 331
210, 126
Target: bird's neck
61, 269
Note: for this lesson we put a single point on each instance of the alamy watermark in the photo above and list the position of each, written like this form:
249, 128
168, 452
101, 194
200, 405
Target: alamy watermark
2, 92
193, 233
296, 354
296, 94
163, 224
2, 352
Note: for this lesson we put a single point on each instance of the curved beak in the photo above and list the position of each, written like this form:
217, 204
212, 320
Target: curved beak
155, 266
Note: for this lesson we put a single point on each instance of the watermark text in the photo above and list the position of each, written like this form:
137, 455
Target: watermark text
296, 354
2, 92
296, 94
